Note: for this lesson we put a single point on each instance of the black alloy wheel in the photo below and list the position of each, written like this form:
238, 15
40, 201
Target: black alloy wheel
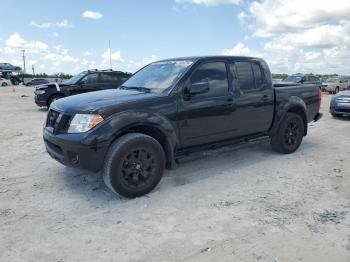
290, 134
134, 165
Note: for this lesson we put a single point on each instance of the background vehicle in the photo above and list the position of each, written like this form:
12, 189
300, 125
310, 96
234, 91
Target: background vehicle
303, 79
36, 81
5, 82
172, 108
335, 84
9, 67
340, 104
87, 81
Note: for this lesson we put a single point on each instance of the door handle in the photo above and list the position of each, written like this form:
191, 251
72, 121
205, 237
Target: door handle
265, 98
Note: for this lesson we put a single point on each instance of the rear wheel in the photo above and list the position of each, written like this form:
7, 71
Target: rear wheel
4, 84
290, 134
134, 165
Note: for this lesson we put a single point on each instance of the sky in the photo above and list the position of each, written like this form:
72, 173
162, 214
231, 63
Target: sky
71, 36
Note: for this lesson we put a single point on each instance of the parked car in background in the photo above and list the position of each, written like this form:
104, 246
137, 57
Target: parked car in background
5, 82
340, 104
303, 79
36, 81
9, 67
335, 84
173, 108
87, 81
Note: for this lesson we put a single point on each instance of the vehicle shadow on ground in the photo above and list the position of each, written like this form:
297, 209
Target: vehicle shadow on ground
208, 165
342, 118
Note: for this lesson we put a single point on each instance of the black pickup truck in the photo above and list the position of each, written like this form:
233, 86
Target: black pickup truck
86, 81
174, 107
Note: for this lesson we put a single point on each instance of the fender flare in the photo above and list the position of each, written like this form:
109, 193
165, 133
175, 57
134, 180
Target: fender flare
293, 104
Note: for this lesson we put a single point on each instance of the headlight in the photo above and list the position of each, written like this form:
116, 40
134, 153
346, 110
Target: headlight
84, 122
40, 92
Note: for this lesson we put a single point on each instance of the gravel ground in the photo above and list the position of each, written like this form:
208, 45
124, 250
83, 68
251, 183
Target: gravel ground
249, 204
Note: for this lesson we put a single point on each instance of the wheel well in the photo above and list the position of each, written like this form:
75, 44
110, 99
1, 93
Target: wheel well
299, 111
158, 135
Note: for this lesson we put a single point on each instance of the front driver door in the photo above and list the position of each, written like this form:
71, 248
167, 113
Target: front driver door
205, 118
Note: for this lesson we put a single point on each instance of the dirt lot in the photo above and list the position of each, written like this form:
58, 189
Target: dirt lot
249, 204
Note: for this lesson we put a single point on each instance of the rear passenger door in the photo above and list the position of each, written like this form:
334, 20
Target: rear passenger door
254, 99
109, 81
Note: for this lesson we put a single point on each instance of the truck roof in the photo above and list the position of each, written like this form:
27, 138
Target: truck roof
224, 57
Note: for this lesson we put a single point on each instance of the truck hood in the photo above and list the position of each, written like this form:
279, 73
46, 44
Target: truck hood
94, 101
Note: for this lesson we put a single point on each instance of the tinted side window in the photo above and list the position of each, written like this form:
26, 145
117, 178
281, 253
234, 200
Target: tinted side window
213, 73
90, 79
258, 76
109, 78
245, 77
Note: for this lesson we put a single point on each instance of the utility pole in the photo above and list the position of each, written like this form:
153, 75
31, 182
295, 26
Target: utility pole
24, 65
33, 70
110, 55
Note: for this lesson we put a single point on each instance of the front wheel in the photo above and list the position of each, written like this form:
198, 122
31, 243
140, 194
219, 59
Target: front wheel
134, 165
4, 84
290, 134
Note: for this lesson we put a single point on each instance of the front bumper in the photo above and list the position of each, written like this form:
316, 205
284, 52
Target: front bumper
72, 150
340, 108
39, 101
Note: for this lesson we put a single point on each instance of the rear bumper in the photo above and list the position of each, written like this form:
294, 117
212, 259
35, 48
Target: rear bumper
70, 150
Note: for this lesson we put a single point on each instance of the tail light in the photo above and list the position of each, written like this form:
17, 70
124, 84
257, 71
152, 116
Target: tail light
319, 97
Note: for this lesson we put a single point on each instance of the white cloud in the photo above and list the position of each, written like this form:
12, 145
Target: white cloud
62, 24
209, 2
278, 16
134, 66
87, 53
15, 40
240, 50
92, 15
299, 35
115, 56
55, 34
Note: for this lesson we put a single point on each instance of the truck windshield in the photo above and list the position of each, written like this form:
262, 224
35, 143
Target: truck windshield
158, 76
74, 79
295, 79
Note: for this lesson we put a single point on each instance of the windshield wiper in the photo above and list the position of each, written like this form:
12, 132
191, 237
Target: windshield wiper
139, 88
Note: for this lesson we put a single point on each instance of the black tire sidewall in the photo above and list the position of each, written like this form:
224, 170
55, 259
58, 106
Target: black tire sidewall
115, 159
289, 118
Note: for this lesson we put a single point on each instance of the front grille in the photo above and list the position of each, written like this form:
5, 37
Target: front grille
343, 99
343, 110
57, 122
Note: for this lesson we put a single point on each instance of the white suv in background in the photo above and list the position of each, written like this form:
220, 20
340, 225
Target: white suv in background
5, 82
335, 84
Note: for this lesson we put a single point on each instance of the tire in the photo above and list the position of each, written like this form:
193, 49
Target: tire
134, 165
289, 135
53, 98
4, 84
336, 91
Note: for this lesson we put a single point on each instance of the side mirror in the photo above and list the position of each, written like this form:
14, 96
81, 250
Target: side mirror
198, 88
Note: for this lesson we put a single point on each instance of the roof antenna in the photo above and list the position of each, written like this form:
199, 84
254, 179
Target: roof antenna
110, 55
